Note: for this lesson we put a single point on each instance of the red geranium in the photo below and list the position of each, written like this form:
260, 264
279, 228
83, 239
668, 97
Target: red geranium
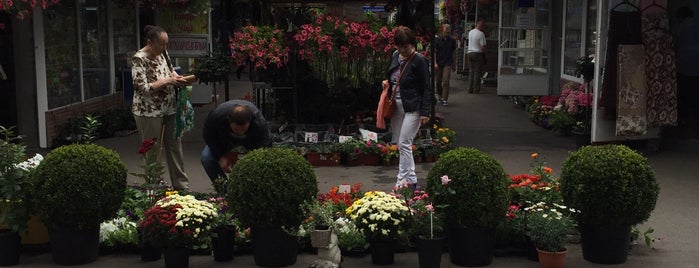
153, 169
341, 200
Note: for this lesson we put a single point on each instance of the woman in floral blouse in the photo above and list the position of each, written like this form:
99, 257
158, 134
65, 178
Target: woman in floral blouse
154, 100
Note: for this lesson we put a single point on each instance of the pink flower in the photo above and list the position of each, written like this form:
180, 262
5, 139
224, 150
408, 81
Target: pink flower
445, 180
429, 207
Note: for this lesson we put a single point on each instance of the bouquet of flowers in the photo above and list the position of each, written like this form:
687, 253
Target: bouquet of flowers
177, 221
379, 216
261, 45
549, 225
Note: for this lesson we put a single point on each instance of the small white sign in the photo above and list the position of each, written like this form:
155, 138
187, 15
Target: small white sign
311, 137
369, 135
344, 189
344, 139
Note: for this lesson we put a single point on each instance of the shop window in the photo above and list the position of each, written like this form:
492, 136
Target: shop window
62, 58
77, 52
579, 34
95, 48
125, 42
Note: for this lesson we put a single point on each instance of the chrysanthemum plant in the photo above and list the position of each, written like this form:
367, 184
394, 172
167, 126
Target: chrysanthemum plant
379, 216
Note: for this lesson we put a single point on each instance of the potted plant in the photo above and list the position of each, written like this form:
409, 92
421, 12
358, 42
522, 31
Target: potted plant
350, 240
15, 192
323, 154
224, 229
75, 188
469, 188
176, 223
381, 217
266, 191
425, 226
319, 222
592, 178
549, 226
214, 67
360, 152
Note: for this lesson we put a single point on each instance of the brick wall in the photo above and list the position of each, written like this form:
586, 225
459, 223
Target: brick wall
56, 118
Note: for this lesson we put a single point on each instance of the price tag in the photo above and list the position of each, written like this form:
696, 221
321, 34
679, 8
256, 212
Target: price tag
369, 135
311, 137
344, 139
344, 189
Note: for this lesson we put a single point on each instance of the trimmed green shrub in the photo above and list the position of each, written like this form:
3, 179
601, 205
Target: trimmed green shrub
268, 186
476, 193
79, 185
611, 185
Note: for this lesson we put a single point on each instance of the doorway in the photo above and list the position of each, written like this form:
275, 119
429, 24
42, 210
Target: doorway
524, 53
8, 103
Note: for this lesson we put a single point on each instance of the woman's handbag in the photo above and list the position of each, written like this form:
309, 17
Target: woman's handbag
387, 102
388, 95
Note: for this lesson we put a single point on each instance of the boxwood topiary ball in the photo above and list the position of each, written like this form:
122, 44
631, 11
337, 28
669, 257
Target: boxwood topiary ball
611, 185
79, 186
267, 187
476, 195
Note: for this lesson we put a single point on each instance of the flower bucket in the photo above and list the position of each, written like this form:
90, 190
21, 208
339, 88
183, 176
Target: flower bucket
605, 245
382, 252
72, 246
222, 243
429, 252
471, 246
273, 247
323, 159
9, 247
549, 259
321, 238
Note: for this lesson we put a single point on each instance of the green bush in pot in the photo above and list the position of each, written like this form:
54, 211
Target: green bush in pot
267, 189
611, 185
79, 185
268, 186
76, 187
614, 188
469, 188
476, 192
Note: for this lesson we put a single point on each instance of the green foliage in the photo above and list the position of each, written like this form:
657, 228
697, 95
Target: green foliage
549, 225
349, 237
648, 239
476, 195
268, 186
562, 122
611, 185
15, 185
214, 67
89, 129
79, 185
319, 214
119, 233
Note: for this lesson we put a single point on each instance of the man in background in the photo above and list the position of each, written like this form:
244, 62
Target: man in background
445, 64
476, 57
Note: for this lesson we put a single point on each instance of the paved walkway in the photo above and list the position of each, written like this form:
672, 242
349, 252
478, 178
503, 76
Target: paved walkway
494, 125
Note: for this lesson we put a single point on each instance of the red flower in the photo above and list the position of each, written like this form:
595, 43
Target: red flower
146, 145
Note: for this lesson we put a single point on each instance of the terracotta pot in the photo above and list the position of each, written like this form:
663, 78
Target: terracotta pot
552, 259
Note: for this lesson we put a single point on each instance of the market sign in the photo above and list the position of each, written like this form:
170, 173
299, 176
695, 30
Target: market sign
188, 33
183, 45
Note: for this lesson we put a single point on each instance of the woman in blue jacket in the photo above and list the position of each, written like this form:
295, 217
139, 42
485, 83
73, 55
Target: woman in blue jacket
409, 76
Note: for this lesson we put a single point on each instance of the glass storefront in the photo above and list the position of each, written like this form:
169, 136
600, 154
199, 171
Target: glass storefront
579, 34
77, 43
